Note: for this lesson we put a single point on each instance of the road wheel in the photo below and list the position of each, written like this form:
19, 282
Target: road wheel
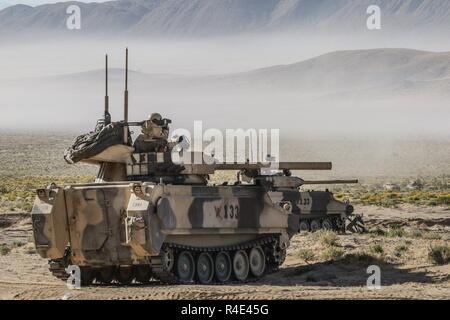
168, 259
105, 275
185, 267
257, 260
304, 226
205, 268
327, 224
241, 265
223, 266
125, 275
340, 224
143, 273
315, 225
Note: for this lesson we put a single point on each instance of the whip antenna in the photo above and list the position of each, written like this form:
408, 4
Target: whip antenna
107, 116
125, 109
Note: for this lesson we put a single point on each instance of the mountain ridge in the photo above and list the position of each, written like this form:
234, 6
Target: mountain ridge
338, 71
226, 17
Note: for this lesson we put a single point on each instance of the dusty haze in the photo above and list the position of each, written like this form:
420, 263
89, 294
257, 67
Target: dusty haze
344, 86
231, 82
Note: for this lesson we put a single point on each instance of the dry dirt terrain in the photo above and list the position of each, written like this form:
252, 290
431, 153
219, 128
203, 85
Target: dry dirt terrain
335, 267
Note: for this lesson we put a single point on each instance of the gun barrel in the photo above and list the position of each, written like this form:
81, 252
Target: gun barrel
281, 165
305, 165
135, 123
237, 166
329, 181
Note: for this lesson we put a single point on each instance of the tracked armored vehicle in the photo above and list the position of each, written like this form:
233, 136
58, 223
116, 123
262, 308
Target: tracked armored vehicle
147, 216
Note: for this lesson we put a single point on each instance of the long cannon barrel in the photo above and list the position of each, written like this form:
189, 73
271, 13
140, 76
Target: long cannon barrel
281, 166
305, 165
293, 182
329, 181
211, 168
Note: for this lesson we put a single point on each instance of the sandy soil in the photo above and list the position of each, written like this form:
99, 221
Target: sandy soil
24, 275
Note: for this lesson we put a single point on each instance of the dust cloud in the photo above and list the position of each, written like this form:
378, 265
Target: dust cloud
252, 81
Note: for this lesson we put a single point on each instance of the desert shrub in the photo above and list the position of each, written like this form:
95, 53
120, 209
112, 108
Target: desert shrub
376, 249
378, 232
439, 254
4, 249
332, 253
18, 244
415, 233
400, 249
443, 198
305, 254
437, 193
396, 230
362, 257
327, 238
18, 192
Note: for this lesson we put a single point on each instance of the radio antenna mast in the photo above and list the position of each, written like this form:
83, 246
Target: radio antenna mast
107, 115
125, 110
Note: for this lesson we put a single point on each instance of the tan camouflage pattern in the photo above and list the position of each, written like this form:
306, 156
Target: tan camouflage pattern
50, 223
311, 203
125, 223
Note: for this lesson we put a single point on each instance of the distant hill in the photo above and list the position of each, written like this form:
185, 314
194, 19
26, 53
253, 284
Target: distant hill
392, 90
378, 71
225, 17
354, 70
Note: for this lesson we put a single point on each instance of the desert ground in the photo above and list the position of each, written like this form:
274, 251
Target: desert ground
404, 226
318, 265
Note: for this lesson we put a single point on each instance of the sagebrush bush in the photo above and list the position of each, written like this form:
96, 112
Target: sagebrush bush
396, 230
4, 249
400, 249
327, 238
376, 249
18, 192
415, 233
439, 254
306, 255
362, 257
378, 232
18, 243
332, 253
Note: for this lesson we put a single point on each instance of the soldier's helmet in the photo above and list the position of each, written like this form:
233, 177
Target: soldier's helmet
155, 118
156, 127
